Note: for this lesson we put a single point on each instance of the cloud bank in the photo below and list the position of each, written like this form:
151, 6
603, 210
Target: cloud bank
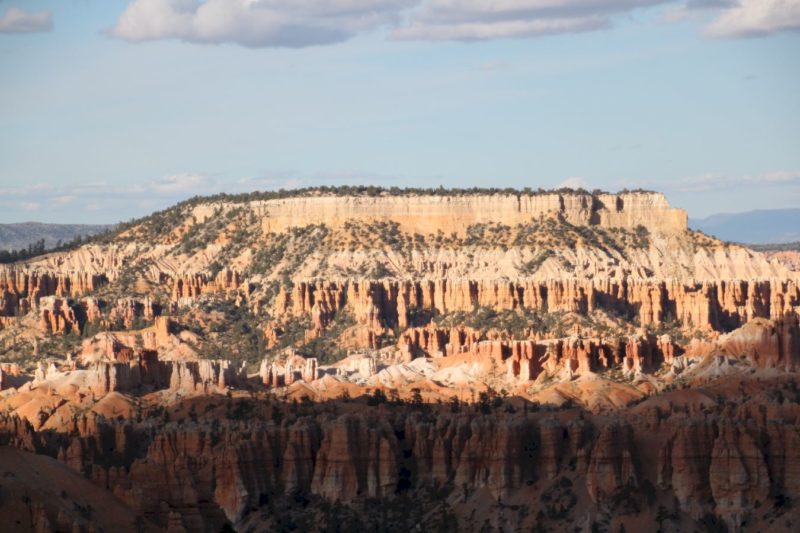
301, 23
16, 20
469, 20
277, 23
754, 18
256, 23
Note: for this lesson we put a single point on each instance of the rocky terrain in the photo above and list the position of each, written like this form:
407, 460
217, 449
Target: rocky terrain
403, 359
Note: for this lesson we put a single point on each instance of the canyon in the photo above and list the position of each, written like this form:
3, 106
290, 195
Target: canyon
395, 360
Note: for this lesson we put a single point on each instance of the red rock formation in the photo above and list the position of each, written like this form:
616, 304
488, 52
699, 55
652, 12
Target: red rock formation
187, 287
294, 367
203, 376
160, 335
551, 439
437, 342
738, 475
668, 349
9, 303
268, 374
35, 284
92, 310
495, 456
685, 467
207, 472
310, 370
767, 344
356, 459
57, 316
127, 310
143, 369
711, 306
639, 353
611, 468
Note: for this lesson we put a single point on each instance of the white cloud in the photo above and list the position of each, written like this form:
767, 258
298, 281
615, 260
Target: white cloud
469, 20
16, 20
481, 31
255, 23
749, 18
298, 23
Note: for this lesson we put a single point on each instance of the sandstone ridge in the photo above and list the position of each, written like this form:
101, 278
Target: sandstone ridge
454, 213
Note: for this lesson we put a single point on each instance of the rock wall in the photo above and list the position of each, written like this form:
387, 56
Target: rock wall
720, 306
189, 286
57, 316
453, 214
211, 472
767, 344
141, 370
127, 310
277, 374
34, 284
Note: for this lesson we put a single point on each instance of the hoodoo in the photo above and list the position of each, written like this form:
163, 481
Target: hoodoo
437, 360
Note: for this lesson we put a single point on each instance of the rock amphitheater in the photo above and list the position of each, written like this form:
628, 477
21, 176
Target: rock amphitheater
465, 361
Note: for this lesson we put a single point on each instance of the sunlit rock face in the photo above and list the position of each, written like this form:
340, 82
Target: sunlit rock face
423, 361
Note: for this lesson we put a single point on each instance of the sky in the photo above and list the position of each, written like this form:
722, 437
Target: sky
110, 109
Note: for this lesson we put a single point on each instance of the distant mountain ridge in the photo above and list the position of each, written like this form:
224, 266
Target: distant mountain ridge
763, 226
21, 235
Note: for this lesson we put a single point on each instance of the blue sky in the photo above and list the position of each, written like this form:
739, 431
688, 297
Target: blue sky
111, 109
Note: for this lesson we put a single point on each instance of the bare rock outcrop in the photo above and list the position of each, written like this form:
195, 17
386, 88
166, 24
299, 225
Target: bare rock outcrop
128, 310
738, 475
36, 283
707, 306
57, 316
611, 468
357, 458
204, 375
448, 214
767, 344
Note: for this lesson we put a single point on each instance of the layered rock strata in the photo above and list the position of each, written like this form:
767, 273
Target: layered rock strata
718, 306
448, 214
212, 473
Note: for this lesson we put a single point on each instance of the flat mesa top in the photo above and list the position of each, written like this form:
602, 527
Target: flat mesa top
427, 212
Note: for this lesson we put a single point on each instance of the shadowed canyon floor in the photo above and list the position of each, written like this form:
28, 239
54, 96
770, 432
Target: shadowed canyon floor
363, 359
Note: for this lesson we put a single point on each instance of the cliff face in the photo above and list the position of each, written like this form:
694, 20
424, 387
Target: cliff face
201, 473
140, 372
720, 306
530, 362
453, 214
555, 252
